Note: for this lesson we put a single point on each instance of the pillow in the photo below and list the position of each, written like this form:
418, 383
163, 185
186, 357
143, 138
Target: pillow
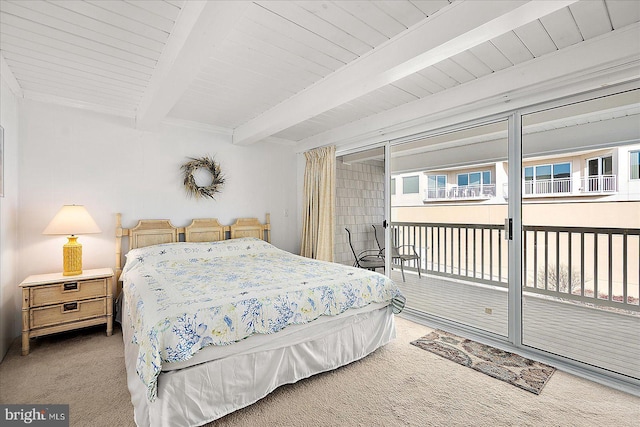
150, 255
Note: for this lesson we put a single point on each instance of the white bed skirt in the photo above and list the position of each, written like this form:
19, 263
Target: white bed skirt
207, 391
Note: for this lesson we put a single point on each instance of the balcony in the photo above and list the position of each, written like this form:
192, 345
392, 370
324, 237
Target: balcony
478, 252
598, 184
580, 285
558, 187
546, 187
564, 187
461, 192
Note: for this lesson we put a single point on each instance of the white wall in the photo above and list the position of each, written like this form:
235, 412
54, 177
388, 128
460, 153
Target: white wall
9, 279
74, 156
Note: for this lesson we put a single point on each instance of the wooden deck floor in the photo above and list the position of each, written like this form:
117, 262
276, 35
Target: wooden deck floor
602, 338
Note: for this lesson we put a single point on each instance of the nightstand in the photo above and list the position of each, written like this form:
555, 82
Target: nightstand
55, 303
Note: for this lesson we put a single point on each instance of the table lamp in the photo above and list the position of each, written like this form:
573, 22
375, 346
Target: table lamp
72, 220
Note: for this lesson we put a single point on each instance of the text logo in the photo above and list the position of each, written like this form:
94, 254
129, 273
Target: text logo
34, 415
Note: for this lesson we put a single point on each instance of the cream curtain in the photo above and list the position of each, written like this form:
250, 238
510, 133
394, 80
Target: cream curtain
319, 199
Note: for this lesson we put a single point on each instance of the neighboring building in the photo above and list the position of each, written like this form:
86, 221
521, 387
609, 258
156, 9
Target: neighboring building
586, 189
610, 175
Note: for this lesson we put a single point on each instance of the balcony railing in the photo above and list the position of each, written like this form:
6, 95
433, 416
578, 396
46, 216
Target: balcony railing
566, 186
542, 187
547, 186
456, 192
596, 266
598, 184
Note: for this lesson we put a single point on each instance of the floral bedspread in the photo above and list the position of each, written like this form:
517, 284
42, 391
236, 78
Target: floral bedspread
185, 296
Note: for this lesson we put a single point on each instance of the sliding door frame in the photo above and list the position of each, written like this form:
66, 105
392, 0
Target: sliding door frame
581, 369
515, 316
515, 215
499, 341
514, 340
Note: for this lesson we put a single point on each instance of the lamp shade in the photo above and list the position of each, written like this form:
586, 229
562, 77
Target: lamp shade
72, 220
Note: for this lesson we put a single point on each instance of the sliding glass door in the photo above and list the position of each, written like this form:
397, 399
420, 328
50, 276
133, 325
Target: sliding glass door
581, 232
448, 206
524, 228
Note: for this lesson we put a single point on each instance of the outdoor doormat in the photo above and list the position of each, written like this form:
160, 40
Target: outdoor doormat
508, 367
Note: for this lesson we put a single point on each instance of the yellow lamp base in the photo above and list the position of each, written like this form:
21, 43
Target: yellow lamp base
72, 257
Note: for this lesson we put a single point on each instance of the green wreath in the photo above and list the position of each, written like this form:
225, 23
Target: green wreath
208, 164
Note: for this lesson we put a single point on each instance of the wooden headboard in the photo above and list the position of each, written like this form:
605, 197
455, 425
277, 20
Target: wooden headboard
155, 231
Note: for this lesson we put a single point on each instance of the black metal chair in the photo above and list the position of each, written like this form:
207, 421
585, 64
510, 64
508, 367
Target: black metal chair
367, 259
401, 253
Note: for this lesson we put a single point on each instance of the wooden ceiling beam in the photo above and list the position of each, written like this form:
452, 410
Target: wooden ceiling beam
199, 30
586, 66
453, 29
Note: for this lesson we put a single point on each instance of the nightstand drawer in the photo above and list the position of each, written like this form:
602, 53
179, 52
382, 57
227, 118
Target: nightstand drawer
67, 312
68, 291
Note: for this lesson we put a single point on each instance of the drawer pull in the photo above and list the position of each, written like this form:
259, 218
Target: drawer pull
71, 286
70, 306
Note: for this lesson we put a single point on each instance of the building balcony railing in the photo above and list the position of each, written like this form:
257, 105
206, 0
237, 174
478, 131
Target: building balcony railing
597, 184
594, 266
546, 186
457, 192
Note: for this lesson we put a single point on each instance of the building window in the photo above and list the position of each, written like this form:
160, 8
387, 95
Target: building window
474, 178
393, 186
600, 166
634, 172
436, 186
547, 179
411, 184
473, 184
600, 175
561, 178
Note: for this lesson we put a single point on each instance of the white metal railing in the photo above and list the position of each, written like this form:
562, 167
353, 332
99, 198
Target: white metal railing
481, 191
561, 186
598, 184
546, 186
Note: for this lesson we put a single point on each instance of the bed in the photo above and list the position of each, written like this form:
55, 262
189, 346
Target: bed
214, 317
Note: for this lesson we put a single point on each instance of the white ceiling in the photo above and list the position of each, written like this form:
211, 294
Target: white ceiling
308, 72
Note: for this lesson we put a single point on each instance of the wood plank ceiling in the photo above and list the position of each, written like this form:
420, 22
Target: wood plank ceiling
293, 70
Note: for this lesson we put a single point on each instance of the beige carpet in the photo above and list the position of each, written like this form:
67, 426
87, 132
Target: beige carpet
398, 385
